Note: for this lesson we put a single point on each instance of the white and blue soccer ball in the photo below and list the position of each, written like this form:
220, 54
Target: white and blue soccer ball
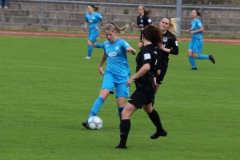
95, 123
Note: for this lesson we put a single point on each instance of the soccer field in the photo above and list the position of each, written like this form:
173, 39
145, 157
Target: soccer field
47, 88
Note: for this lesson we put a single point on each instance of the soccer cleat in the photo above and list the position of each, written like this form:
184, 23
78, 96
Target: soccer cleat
212, 59
88, 57
194, 68
120, 147
158, 134
85, 124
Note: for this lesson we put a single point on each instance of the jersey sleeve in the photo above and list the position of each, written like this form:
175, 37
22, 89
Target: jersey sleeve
138, 20
86, 17
146, 56
99, 17
174, 46
199, 24
125, 45
148, 20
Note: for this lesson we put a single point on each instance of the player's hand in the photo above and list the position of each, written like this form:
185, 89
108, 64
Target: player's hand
133, 24
133, 51
96, 28
101, 71
129, 82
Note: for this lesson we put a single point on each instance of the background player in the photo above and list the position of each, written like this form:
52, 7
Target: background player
117, 70
168, 46
93, 21
195, 45
142, 21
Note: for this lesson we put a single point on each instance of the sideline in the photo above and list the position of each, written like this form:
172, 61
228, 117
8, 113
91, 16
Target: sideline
60, 34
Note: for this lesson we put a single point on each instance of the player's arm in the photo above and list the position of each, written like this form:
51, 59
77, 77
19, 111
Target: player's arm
143, 70
174, 46
86, 25
130, 49
103, 59
197, 31
135, 25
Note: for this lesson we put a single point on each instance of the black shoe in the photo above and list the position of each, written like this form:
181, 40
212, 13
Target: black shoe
158, 134
194, 68
121, 147
212, 59
85, 124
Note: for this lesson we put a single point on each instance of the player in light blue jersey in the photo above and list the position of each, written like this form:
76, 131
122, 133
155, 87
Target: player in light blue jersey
195, 45
117, 70
93, 22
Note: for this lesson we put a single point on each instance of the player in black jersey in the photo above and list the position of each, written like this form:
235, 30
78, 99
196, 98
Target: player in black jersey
168, 46
142, 21
146, 70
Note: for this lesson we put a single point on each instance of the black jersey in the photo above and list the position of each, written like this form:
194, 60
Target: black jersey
143, 21
169, 41
148, 54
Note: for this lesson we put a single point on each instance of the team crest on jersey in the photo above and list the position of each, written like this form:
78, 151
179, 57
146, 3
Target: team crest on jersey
117, 48
165, 39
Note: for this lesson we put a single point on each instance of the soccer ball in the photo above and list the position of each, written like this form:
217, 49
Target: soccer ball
95, 123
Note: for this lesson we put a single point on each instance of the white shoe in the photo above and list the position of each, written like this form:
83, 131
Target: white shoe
0, 6
87, 57
5, 7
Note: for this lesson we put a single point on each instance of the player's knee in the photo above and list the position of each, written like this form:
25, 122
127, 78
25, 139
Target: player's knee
195, 55
125, 114
189, 53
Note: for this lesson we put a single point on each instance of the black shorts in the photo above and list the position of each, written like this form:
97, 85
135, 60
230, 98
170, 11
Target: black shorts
160, 77
141, 96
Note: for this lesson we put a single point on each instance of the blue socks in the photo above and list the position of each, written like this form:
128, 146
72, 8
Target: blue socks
99, 45
192, 61
120, 109
203, 56
96, 107
90, 48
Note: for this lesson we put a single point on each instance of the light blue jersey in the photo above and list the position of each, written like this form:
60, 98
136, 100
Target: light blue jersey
93, 20
195, 25
117, 63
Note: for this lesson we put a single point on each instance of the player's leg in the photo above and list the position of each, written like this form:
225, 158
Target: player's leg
122, 92
155, 118
136, 101
97, 44
125, 126
107, 88
92, 38
197, 52
90, 48
190, 55
140, 44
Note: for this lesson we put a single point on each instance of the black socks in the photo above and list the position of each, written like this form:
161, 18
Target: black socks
124, 130
154, 116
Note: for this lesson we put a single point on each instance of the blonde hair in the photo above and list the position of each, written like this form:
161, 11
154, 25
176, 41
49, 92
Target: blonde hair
113, 27
173, 25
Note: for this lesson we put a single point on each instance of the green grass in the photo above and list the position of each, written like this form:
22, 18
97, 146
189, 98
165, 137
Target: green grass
47, 89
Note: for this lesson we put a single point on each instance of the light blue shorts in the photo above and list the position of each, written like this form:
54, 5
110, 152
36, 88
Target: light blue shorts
195, 45
110, 82
93, 35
